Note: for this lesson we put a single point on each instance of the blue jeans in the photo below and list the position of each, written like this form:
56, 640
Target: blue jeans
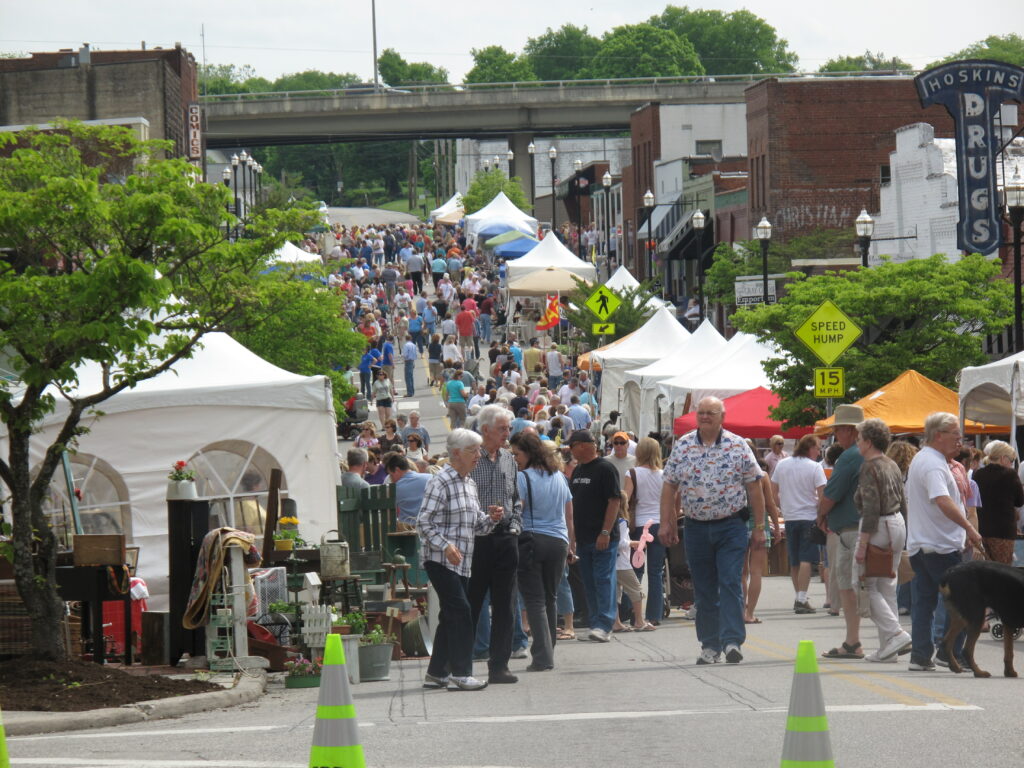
482, 642
929, 567
410, 371
655, 577
715, 552
554, 381
597, 569
563, 598
485, 328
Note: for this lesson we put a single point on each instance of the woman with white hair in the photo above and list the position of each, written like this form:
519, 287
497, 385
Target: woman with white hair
449, 520
1001, 493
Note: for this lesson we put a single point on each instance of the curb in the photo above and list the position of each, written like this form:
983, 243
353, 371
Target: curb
248, 688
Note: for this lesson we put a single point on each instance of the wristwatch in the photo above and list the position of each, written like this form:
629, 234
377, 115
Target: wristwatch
606, 533
759, 527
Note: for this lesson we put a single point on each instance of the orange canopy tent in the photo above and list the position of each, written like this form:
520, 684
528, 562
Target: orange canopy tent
905, 402
583, 361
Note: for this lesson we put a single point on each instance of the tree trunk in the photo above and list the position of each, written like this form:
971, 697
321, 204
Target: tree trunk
35, 556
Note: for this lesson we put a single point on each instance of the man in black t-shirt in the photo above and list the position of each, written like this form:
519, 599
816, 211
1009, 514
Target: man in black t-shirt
595, 506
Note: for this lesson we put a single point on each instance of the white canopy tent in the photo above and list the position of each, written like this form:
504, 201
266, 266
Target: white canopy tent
622, 280
292, 254
543, 282
500, 207
550, 253
994, 393
233, 416
645, 345
452, 205
640, 401
735, 370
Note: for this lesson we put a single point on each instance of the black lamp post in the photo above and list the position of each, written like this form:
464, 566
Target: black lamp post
865, 226
1013, 192
577, 164
531, 148
552, 155
606, 182
699, 220
763, 231
649, 206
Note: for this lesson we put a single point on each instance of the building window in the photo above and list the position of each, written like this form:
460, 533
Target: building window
885, 174
711, 147
104, 506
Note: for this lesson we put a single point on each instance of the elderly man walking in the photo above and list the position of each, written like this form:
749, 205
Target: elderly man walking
497, 553
714, 474
937, 528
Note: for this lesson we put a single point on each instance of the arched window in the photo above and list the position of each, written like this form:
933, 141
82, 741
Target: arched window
104, 506
234, 475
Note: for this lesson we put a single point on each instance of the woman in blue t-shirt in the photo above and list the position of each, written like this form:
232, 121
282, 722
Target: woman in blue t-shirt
544, 543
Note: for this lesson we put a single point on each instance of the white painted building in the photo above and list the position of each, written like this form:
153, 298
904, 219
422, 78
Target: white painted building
921, 197
692, 130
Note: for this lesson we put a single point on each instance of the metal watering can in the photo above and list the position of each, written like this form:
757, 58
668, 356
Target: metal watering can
334, 562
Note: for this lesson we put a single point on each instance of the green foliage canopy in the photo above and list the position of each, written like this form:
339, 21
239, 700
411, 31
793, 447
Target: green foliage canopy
644, 50
633, 312
561, 54
485, 187
494, 64
925, 314
1008, 48
396, 71
866, 62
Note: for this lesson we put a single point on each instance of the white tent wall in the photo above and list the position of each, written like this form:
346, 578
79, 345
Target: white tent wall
452, 204
550, 253
992, 394
281, 419
500, 206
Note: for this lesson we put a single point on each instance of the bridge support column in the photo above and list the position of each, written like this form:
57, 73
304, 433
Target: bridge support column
523, 163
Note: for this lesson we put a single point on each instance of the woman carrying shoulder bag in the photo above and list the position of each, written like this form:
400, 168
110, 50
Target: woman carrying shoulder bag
880, 501
544, 541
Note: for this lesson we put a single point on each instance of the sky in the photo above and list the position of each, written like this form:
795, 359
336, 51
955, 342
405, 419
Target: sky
281, 36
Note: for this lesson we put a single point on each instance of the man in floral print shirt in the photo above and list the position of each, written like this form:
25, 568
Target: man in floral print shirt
713, 475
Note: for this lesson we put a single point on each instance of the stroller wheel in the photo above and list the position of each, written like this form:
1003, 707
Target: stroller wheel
995, 629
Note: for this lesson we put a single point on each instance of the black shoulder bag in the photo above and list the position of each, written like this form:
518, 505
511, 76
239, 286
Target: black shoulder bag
525, 536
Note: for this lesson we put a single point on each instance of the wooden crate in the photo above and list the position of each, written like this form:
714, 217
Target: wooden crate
99, 549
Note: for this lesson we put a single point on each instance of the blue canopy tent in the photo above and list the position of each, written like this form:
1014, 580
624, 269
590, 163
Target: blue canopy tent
516, 248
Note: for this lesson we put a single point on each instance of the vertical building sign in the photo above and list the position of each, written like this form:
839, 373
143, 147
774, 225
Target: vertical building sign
972, 91
195, 131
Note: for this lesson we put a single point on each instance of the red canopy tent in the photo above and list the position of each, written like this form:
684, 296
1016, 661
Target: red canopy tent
746, 414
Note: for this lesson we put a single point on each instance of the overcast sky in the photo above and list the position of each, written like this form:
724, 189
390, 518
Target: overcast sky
280, 36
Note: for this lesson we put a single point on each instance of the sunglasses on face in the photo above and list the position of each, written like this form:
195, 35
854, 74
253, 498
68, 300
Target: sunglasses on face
618, 442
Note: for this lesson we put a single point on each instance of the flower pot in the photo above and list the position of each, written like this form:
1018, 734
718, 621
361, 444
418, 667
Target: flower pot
341, 629
375, 662
181, 490
302, 681
284, 545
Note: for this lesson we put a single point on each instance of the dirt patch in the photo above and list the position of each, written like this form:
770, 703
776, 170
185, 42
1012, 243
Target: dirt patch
46, 686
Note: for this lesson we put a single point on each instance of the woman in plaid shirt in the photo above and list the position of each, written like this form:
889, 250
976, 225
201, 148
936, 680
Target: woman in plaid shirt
450, 517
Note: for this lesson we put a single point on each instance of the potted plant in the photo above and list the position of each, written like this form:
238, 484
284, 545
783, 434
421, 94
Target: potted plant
353, 623
302, 673
181, 482
288, 540
288, 523
375, 650
284, 610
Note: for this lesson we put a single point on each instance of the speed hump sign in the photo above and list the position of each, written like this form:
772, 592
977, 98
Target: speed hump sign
829, 382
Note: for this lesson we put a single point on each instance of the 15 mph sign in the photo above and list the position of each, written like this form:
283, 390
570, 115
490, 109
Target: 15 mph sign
828, 332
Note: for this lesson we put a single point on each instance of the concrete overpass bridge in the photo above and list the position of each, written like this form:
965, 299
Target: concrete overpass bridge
518, 111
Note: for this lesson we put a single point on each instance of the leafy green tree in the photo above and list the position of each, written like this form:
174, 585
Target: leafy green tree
633, 312
485, 187
737, 43
396, 71
308, 334
225, 78
494, 64
561, 54
925, 314
867, 62
644, 50
1008, 48
314, 80
108, 253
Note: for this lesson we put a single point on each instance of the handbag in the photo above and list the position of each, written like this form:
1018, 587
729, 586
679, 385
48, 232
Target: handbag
631, 507
906, 571
525, 538
878, 560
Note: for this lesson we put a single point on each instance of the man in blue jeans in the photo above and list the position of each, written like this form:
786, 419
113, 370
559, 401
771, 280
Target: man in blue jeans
937, 531
715, 476
595, 506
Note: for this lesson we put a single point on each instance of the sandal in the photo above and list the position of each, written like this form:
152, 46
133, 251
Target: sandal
563, 635
845, 652
623, 628
647, 627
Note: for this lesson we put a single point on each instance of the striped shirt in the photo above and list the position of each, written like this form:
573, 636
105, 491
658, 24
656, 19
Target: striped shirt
450, 514
496, 485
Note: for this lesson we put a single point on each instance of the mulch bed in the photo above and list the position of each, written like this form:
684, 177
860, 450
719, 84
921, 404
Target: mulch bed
47, 686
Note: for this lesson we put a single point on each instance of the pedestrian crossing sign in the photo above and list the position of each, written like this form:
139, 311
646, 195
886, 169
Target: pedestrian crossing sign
603, 302
602, 329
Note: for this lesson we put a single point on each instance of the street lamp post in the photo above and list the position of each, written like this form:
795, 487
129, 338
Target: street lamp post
763, 230
511, 157
1013, 191
699, 221
606, 182
865, 226
234, 175
649, 206
531, 148
577, 164
552, 155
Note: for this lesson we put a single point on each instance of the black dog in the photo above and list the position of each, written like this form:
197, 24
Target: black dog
968, 589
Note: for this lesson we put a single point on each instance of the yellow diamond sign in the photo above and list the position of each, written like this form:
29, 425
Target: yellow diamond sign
828, 332
603, 302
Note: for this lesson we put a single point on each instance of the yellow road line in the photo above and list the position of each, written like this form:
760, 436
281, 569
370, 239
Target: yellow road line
831, 668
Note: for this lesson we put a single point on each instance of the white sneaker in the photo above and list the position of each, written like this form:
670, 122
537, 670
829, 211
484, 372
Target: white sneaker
519, 653
732, 654
879, 660
468, 683
707, 656
894, 645
430, 681
691, 613
598, 635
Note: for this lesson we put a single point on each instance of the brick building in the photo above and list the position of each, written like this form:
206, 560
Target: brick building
818, 149
155, 84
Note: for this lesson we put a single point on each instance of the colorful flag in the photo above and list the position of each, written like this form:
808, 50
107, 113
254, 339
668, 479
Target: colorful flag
550, 317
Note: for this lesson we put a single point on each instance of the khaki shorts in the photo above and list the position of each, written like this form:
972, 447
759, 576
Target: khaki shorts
846, 548
626, 581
